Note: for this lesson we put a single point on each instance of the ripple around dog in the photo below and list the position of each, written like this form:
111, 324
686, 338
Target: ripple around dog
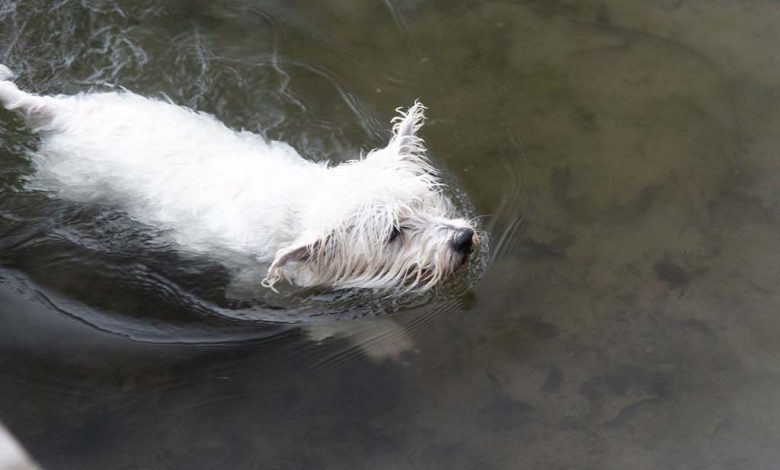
140, 262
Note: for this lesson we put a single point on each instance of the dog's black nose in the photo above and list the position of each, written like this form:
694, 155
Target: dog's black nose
463, 241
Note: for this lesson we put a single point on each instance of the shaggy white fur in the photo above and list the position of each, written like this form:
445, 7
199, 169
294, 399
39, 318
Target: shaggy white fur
380, 221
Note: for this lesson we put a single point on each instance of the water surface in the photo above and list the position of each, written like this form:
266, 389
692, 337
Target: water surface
622, 155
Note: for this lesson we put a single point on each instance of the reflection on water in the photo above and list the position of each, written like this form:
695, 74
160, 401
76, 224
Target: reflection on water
623, 155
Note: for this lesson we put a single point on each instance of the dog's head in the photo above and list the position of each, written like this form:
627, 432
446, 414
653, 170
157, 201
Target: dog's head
378, 222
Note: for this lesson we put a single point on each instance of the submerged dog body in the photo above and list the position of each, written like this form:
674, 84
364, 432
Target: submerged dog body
381, 221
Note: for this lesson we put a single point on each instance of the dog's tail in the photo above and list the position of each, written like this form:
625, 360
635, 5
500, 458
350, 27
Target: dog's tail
37, 109
5, 73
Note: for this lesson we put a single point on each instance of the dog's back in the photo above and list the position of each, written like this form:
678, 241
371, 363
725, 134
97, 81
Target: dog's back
165, 164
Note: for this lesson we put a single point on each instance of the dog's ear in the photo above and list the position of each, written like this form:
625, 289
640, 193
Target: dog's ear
295, 253
405, 141
298, 252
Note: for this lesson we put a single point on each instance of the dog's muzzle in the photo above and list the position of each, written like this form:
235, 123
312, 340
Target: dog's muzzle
464, 241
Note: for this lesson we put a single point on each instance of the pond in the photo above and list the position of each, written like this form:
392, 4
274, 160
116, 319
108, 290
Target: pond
622, 158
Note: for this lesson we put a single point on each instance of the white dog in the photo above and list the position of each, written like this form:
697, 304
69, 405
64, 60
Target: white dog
378, 222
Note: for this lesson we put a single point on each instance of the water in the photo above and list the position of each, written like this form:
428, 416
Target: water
623, 155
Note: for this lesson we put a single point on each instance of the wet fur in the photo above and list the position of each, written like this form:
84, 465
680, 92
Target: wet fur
214, 188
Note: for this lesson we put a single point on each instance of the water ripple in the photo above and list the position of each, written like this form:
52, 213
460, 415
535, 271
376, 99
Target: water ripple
101, 268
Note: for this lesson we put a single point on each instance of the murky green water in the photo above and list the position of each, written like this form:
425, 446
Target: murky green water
624, 155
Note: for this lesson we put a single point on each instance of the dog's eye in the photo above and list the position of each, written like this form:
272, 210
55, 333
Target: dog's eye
394, 234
